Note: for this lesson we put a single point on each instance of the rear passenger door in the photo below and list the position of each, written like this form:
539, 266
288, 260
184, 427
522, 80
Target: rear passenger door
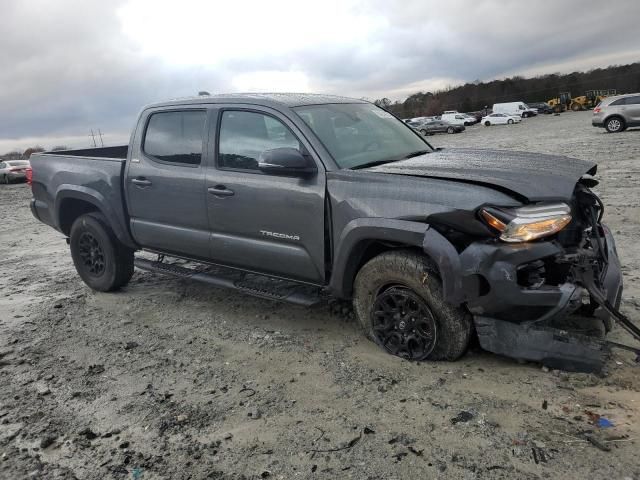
263, 222
164, 182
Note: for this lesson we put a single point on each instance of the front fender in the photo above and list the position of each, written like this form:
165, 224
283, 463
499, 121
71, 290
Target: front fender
356, 234
363, 230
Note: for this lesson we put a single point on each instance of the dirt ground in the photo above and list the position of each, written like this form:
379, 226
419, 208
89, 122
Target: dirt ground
168, 379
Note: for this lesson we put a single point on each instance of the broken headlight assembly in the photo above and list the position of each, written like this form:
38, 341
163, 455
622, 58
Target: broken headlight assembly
527, 223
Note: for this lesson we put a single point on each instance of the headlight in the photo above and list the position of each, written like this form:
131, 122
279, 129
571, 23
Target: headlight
527, 223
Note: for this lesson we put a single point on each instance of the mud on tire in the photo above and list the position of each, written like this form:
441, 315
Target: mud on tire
410, 271
102, 262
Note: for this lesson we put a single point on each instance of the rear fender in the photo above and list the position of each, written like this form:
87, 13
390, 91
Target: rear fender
95, 198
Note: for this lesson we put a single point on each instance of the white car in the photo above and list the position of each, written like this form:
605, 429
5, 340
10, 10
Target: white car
12, 170
500, 119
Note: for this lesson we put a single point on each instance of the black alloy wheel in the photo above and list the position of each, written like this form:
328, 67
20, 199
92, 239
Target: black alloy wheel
91, 254
403, 323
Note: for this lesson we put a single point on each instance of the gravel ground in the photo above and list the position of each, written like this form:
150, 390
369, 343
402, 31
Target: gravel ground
174, 380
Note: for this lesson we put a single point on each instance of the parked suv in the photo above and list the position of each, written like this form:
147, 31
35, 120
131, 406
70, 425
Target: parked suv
617, 113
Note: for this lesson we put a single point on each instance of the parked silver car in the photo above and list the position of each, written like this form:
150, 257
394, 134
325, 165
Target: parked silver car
617, 113
439, 126
12, 170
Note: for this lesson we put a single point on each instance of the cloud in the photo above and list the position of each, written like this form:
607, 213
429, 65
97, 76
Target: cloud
73, 65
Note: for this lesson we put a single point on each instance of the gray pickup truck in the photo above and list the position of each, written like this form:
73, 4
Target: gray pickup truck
302, 197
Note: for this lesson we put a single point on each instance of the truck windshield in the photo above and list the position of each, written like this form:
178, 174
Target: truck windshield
358, 134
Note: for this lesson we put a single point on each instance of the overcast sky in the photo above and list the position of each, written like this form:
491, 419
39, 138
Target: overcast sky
68, 66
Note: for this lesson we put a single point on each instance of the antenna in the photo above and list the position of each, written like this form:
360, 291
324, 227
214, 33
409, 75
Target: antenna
100, 133
93, 137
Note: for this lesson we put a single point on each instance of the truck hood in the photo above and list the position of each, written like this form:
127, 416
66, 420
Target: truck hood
527, 176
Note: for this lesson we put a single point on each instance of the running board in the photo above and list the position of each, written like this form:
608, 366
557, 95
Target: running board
250, 283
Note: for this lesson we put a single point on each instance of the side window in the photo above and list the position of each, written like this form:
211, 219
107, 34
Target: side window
633, 100
245, 135
175, 136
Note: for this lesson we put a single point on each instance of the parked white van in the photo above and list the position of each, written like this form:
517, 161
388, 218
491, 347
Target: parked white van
514, 108
455, 118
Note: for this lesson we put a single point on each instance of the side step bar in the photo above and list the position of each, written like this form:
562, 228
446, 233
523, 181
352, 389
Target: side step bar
250, 283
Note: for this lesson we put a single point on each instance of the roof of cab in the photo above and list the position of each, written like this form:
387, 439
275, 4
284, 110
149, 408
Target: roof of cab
265, 99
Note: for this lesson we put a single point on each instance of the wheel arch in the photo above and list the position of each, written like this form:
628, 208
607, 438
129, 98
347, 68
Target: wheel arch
614, 115
363, 239
366, 238
73, 201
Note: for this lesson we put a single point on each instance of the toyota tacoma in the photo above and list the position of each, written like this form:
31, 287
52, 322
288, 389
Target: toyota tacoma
303, 197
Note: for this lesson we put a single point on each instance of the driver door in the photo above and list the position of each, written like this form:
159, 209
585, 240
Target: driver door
262, 222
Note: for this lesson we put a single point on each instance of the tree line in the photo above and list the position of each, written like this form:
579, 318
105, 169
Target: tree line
26, 154
475, 96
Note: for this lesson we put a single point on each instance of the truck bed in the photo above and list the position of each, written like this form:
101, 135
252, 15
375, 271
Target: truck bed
93, 175
117, 152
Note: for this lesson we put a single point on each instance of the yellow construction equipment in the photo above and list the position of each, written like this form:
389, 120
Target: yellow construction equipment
561, 103
590, 99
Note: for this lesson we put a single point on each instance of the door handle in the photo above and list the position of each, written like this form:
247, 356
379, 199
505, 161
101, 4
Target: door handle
141, 181
220, 191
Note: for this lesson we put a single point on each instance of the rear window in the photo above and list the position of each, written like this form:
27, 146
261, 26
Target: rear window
620, 101
175, 137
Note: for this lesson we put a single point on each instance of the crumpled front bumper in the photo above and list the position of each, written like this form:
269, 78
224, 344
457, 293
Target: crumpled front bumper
520, 293
491, 278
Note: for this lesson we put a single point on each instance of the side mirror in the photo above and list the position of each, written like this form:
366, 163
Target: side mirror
286, 161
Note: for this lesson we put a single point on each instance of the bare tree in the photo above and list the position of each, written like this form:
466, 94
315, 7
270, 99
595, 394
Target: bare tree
31, 150
12, 155
383, 103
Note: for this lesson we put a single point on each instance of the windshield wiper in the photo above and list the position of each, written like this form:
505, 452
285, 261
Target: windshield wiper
416, 154
374, 164
382, 162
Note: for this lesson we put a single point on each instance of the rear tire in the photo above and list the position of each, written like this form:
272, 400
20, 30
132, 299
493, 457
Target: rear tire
403, 273
423, 132
6, 180
615, 125
102, 262
510, 121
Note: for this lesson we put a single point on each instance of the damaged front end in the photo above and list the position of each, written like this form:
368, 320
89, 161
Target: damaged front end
550, 300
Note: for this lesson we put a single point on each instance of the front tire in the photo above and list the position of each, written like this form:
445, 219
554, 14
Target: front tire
451, 130
510, 121
615, 125
399, 304
423, 132
102, 262
487, 123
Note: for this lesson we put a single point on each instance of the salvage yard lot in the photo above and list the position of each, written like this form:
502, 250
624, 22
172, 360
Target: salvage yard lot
176, 380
